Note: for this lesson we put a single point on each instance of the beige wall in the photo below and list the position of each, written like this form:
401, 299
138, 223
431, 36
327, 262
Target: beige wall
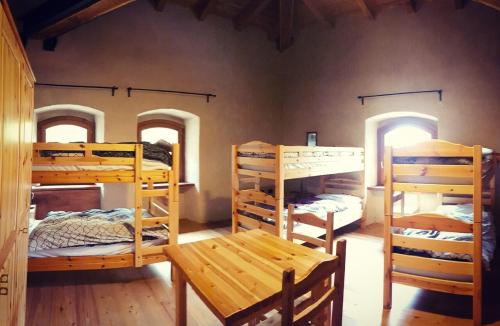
438, 47
277, 97
137, 46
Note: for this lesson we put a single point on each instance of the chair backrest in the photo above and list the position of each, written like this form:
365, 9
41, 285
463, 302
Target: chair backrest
311, 219
322, 293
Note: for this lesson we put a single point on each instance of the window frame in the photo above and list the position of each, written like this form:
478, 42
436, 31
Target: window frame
391, 124
43, 125
170, 124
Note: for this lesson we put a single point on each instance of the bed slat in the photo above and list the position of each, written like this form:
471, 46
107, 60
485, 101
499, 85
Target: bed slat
433, 264
431, 221
434, 148
258, 196
434, 284
266, 162
260, 174
433, 170
155, 193
257, 147
434, 188
76, 160
460, 247
246, 221
257, 210
154, 221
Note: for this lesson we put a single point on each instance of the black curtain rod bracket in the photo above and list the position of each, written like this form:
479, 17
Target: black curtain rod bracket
439, 91
206, 95
113, 89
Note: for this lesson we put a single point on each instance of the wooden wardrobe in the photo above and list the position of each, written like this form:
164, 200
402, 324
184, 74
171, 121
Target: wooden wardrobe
16, 112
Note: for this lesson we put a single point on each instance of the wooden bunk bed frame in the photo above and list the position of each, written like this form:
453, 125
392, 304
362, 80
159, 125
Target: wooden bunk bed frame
144, 182
269, 164
428, 221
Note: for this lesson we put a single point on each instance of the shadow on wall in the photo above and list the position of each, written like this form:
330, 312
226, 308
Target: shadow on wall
219, 207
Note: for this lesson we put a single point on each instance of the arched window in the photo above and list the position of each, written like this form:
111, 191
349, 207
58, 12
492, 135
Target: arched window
66, 129
399, 132
167, 130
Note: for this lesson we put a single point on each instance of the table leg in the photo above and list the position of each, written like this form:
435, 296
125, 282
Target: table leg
180, 297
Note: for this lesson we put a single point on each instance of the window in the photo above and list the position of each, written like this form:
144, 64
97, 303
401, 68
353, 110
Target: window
65, 129
401, 132
167, 130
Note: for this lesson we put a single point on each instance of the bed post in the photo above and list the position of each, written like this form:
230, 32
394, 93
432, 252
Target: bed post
477, 230
279, 192
235, 187
173, 198
138, 205
388, 214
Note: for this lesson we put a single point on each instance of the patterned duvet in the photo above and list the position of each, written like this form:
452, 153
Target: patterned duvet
463, 213
88, 228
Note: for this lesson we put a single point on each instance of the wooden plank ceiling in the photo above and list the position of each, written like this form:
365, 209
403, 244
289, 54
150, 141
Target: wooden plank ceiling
280, 19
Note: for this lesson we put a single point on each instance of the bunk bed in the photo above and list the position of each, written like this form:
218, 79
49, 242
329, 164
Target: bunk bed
258, 166
446, 249
123, 229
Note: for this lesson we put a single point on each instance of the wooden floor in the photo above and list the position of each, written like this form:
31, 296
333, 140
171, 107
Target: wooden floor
144, 296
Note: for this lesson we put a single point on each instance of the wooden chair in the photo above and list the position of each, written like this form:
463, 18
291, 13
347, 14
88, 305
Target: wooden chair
311, 219
317, 308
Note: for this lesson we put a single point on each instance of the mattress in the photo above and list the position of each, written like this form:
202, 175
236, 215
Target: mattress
461, 212
89, 233
487, 155
341, 160
147, 165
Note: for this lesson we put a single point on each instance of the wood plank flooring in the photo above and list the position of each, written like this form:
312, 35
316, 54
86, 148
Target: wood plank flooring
144, 296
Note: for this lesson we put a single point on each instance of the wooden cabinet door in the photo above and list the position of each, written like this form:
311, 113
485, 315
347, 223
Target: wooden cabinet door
16, 115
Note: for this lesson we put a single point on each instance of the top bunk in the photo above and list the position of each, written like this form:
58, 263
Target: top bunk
259, 159
455, 171
79, 163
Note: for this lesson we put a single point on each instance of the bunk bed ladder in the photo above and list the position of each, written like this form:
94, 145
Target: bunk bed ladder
169, 215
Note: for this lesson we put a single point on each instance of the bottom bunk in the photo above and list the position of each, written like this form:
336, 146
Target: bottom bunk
454, 250
93, 239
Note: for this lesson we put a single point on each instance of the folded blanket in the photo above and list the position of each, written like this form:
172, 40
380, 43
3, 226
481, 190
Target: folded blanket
92, 227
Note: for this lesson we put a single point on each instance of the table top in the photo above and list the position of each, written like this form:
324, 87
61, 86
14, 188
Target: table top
240, 274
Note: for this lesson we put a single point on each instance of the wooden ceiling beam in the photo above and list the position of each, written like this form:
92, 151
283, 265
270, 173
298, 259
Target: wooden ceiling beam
81, 17
159, 5
203, 7
495, 4
364, 8
318, 13
253, 8
286, 15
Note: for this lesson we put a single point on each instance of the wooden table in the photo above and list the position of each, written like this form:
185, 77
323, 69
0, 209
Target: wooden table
239, 277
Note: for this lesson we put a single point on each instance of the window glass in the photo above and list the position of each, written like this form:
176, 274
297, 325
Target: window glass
405, 135
65, 133
154, 134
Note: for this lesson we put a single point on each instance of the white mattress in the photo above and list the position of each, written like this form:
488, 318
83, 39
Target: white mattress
147, 165
99, 250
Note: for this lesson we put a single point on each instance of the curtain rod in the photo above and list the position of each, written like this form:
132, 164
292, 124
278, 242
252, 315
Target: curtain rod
113, 89
439, 91
207, 95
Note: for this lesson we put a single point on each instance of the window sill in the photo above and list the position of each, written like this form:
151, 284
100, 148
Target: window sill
376, 188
